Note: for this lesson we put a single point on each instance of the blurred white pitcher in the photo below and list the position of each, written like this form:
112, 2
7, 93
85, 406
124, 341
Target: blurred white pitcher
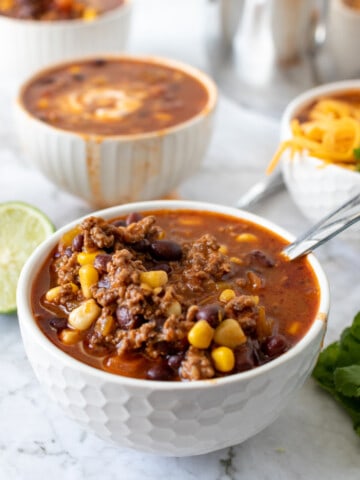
292, 27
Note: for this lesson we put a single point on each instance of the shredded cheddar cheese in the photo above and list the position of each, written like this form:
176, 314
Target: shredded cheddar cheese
331, 133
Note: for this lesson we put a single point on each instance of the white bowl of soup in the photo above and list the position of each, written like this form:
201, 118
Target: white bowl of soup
320, 148
36, 34
117, 129
172, 327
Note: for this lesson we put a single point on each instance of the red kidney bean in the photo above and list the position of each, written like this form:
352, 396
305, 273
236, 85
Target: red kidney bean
101, 261
58, 323
133, 218
160, 371
212, 313
78, 242
126, 320
275, 345
165, 250
119, 223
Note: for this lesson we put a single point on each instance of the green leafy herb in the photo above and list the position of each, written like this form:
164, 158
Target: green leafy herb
356, 153
338, 370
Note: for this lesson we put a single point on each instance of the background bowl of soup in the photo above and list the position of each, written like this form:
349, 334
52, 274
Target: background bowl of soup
116, 129
181, 416
55, 34
322, 172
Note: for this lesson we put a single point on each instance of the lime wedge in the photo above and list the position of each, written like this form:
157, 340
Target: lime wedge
22, 228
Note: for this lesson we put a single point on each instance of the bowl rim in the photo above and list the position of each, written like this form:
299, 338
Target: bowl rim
76, 22
203, 78
34, 263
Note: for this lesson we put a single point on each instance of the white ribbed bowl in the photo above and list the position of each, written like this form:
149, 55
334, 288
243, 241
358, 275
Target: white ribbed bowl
168, 418
28, 45
316, 187
107, 171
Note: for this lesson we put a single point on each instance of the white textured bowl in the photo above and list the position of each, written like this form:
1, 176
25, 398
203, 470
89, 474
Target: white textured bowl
315, 187
110, 170
28, 45
169, 418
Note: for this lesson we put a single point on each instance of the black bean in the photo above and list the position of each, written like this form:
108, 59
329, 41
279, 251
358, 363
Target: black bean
161, 266
79, 77
261, 258
165, 250
78, 242
212, 313
99, 62
141, 245
68, 252
119, 223
244, 358
58, 323
174, 361
126, 320
101, 261
275, 345
133, 218
160, 371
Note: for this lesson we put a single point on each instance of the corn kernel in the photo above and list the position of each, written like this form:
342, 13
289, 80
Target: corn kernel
104, 325
88, 258
82, 317
6, 5
174, 308
89, 277
165, 117
154, 278
229, 334
69, 337
236, 260
223, 358
223, 249
43, 103
90, 13
74, 69
294, 328
227, 295
201, 334
246, 237
69, 236
55, 292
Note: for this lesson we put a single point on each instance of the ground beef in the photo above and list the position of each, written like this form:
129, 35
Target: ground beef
196, 365
98, 233
66, 268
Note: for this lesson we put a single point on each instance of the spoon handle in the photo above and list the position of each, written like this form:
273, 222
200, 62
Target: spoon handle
261, 190
334, 223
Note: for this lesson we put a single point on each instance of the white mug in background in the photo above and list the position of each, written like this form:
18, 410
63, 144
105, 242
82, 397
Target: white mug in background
343, 37
292, 28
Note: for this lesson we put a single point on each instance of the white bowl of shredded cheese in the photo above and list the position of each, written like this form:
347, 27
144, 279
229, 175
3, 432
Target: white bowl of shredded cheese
320, 148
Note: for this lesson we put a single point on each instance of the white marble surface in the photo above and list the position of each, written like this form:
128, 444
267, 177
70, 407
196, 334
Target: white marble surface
312, 439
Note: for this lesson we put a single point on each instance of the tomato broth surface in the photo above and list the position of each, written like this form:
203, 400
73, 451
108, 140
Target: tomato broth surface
110, 97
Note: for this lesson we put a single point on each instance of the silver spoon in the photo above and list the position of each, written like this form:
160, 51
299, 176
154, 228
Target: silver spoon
263, 189
332, 224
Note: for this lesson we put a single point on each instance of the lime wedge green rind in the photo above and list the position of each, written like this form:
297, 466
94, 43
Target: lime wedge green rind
22, 228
